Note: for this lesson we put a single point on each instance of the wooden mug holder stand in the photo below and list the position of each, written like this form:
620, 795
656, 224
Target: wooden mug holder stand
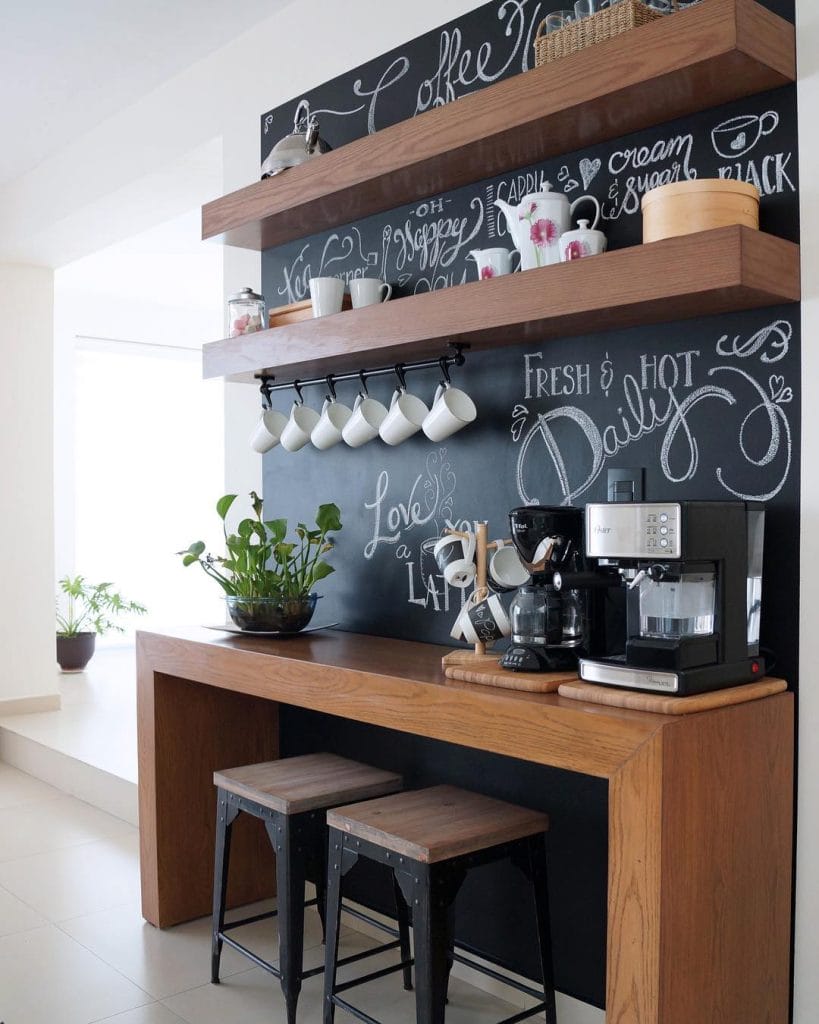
482, 548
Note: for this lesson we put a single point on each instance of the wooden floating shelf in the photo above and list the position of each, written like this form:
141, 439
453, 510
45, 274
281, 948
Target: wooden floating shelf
703, 274
713, 53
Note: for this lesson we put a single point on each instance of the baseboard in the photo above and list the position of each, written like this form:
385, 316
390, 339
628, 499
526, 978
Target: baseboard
93, 785
28, 705
569, 1011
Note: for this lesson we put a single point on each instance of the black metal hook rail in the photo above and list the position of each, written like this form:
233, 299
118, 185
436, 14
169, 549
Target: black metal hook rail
267, 385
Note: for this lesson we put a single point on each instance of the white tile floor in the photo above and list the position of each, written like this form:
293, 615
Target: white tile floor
75, 950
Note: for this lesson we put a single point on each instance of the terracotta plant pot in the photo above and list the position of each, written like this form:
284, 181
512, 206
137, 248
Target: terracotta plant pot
74, 652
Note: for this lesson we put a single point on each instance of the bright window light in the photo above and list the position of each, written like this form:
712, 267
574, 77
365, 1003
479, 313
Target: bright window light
149, 455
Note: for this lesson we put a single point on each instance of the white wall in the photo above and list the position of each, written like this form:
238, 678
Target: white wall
806, 987
28, 672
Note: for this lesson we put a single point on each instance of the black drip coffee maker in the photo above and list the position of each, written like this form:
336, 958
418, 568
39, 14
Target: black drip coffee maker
548, 625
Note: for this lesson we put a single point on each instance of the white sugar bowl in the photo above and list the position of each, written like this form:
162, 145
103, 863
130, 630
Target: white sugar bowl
575, 245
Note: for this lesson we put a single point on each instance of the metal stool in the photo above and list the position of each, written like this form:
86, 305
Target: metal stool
430, 838
291, 797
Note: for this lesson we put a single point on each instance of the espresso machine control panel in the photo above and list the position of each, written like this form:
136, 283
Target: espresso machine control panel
643, 530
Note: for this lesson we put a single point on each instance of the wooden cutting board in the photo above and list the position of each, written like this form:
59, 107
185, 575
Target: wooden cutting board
532, 682
295, 312
660, 704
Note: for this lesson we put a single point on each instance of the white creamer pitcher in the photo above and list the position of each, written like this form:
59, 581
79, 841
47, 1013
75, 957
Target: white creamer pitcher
537, 223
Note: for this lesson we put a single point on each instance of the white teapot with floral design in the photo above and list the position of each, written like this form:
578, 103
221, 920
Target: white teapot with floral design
537, 223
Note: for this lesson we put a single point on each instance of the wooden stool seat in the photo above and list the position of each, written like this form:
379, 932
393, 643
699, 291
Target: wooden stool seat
308, 783
430, 839
290, 797
431, 825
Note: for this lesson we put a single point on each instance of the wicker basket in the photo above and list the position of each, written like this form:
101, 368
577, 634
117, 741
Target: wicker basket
606, 24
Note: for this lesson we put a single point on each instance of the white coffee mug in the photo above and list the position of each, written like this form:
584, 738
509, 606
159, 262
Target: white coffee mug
268, 431
405, 417
334, 417
363, 425
482, 621
299, 427
494, 262
369, 291
452, 410
458, 571
327, 295
505, 571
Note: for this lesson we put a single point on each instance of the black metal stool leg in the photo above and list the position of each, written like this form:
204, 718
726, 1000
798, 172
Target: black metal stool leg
450, 944
290, 891
429, 922
538, 876
339, 862
321, 905
226, 814
402, 915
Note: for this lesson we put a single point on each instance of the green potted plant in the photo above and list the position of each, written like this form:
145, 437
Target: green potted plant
84, 611
268, 581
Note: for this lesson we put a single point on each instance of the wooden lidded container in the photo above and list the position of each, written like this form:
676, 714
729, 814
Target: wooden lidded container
684, 207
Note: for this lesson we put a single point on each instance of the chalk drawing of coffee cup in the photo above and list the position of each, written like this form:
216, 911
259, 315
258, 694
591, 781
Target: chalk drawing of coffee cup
739, 135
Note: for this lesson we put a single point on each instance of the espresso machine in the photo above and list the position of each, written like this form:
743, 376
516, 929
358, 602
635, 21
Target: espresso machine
548, 625
692, 574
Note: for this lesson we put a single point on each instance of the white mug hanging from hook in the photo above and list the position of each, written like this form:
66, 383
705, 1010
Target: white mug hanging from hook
406, 413
268, 431
334, 417
300, 425
368, 415
451, 411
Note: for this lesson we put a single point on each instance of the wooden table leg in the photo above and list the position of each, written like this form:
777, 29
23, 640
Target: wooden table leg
186, 731
700, 848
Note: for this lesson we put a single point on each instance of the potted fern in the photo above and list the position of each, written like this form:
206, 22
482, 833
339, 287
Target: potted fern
84, 611
267, 580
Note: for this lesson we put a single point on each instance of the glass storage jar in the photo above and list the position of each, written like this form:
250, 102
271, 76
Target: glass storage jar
246, 312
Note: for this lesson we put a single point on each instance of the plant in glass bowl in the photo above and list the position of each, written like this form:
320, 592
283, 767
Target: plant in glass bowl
268, 581
84, 611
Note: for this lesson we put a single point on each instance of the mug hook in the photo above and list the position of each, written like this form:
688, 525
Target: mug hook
331, 386
299, 395
443, 362
265, 390
362, 375
400, 373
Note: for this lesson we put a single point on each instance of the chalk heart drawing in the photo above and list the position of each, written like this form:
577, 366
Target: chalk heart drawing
779, 393
566, 180
589, 169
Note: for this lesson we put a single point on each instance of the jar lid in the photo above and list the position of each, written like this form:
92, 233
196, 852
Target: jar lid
246, 295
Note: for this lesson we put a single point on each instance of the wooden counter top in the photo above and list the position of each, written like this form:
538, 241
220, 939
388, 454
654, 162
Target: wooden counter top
400, 685
699, 806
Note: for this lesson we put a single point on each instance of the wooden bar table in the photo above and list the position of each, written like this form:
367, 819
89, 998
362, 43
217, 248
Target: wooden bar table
700, 806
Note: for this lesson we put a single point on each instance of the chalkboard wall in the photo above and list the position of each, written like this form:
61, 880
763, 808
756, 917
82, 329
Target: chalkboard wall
709, 407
